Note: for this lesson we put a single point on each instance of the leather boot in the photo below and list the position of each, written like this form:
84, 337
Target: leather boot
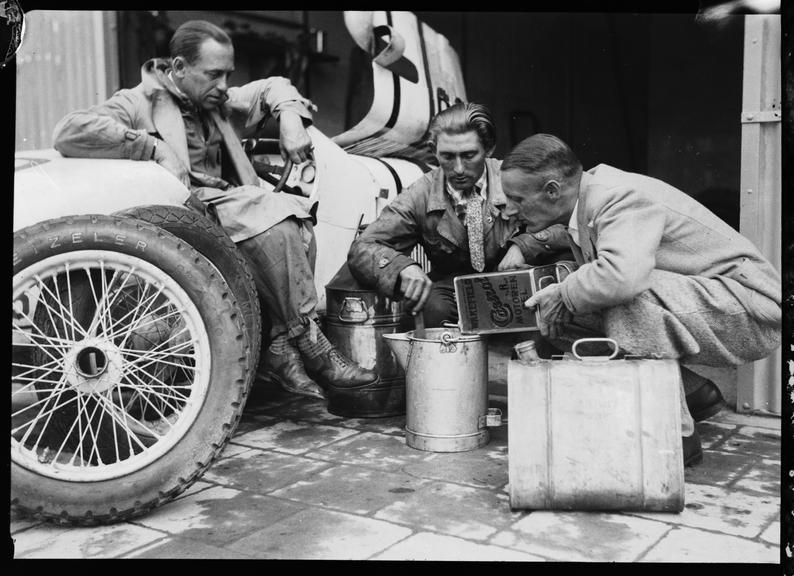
332, 369
693, 451
704, 401
287, 371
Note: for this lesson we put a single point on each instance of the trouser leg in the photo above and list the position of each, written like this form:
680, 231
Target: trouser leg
282, 262
694, 320
592, 326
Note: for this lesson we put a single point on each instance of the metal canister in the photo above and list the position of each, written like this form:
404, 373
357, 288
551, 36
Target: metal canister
526, 351
355, 320
446, 391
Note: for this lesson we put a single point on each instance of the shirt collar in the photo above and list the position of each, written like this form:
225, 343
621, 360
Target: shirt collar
182, 99
573, 224
481, 185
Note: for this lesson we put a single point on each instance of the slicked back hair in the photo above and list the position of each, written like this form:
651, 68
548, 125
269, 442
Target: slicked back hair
543, 154
189, 37
461, 118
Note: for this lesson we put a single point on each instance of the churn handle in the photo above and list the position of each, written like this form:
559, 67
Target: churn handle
345, 303
615, 347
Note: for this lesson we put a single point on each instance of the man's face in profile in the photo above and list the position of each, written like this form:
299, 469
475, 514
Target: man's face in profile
528, 199
206, 80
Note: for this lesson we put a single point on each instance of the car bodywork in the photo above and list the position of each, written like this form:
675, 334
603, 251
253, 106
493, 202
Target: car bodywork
112, 343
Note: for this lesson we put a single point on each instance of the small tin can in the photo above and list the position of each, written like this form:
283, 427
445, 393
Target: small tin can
526, 352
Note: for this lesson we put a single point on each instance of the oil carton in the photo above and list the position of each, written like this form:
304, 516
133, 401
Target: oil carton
494, 302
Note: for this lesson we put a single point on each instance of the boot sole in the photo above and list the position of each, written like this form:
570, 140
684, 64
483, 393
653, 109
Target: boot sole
328, 385
274, 378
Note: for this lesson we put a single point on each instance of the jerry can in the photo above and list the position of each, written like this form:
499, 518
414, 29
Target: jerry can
595, 433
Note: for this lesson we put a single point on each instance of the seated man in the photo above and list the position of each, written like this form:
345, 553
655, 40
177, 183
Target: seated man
183, 115
455, 213
659, 273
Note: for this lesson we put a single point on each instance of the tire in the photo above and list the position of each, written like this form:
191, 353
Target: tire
122, 335
214, 243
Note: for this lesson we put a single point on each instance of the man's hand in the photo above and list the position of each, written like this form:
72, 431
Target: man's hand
415, 286
513, 260
553, 313
294, 140
167, 158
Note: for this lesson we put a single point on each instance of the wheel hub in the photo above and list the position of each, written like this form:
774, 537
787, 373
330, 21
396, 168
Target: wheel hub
93, 366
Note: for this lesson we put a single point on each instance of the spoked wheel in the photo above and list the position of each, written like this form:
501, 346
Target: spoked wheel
128, 368
213, 243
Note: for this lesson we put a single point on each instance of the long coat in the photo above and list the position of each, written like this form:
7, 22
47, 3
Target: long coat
424, 214
630, 225
128, 124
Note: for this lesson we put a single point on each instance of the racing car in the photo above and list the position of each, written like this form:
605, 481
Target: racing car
136, 325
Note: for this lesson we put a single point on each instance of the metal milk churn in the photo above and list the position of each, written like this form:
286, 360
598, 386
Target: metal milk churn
446, 389
355, 320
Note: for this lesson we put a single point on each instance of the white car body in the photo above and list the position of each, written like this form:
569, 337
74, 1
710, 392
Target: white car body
351, 175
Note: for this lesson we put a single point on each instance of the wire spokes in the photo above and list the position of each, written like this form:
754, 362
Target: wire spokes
106, 364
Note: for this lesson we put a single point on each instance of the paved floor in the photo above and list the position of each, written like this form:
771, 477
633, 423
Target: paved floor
297, 482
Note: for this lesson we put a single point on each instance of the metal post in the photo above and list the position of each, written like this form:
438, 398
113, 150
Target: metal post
759, 384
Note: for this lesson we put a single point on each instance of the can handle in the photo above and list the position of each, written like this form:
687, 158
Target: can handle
353, 310
608, 340
547, 280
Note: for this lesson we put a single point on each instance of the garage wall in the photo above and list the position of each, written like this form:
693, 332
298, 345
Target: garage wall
60, 67
695, 100
653, 93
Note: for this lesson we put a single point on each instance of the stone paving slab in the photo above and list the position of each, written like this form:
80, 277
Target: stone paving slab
771, 434
373, 450
195, 488
52, 541
262, 471
582, 536
186, 549
292, 437
760, 421
772, 534
299, 483
452, 509
749, 445
763, 478
718, 468
315, 410
720, 510
713, 433
436, 547
352, 489
485, 467
218, 515
690, 545
322, 534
